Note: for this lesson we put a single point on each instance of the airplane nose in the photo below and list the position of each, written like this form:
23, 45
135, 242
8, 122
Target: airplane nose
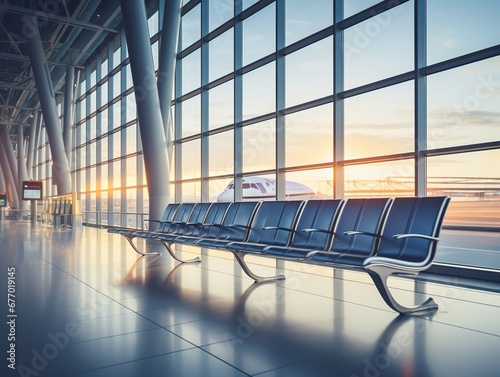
226, 196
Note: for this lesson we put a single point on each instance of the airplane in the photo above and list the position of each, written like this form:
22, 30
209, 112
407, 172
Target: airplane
259, 188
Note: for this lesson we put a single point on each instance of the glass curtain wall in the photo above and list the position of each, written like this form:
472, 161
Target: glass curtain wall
294, 99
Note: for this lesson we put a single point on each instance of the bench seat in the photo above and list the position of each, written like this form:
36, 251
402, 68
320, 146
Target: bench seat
379, 236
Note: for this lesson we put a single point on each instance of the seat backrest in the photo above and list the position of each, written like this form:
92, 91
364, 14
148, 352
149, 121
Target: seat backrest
168, 216
360, 214
317, 214
196, 219
215, 217
180, 217
415, 215
279, 214
237, 221
57, 205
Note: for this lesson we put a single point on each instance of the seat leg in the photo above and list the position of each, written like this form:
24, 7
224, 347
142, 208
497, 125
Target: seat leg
171, 252
130, 238
379, 275
258, 279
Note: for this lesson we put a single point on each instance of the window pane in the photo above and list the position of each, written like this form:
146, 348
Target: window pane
153, 24
92, 178
248, 3
117, 180
104, 94
354, 6
191, 27
385, 179
116, 85
128, 77
191, 192
104, 149
104, 122
221, 106
191, 72
131, 208
304, 18
379, 47
259, 146
131, 136
464, 105
259, 91
215, 188
259, 34
379, 122
312, 184
131, 166
304, 147
191, 159
154, 51
456, 28
221, 61
191, 116
116, 113
219, 11
131, 110
117, 57
473, 182
92, 101
104, 181
221, 153
309, 73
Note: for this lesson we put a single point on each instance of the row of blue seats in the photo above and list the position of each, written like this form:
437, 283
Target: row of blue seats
381, 236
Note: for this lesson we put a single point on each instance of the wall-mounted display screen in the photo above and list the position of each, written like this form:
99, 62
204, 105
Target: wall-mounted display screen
3, 199
32, 190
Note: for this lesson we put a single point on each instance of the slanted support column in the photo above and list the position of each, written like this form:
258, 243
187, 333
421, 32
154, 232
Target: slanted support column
10, 183
60, 169
3, 187
32, 143
148, 106
166, 72
68, 109
9, 152
22, 173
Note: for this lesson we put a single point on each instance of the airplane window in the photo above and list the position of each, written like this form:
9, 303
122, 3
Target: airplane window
246, 185
230, 186
254, 186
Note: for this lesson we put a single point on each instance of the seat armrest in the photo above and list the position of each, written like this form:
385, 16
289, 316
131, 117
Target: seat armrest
152, 221
278, 228
396, 264
416, 235
312, 252
237, 226
360, 232
307, 230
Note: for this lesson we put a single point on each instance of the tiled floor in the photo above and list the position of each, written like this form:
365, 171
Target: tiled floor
87, 305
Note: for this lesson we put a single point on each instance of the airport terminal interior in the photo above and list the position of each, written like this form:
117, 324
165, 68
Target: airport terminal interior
113, 109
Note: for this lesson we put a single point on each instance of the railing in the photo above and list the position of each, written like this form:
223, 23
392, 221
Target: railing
101, 219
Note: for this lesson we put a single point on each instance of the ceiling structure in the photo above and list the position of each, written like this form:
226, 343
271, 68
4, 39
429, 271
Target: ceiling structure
72, 31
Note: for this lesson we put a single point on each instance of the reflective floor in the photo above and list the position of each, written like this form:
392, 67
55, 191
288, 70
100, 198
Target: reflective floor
87, 305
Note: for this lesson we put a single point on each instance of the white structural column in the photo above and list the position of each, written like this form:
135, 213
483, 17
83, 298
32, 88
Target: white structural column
169, 38
3, 188
148, 106
10, 183
22, 173
32, 143
60, 169
68, 109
